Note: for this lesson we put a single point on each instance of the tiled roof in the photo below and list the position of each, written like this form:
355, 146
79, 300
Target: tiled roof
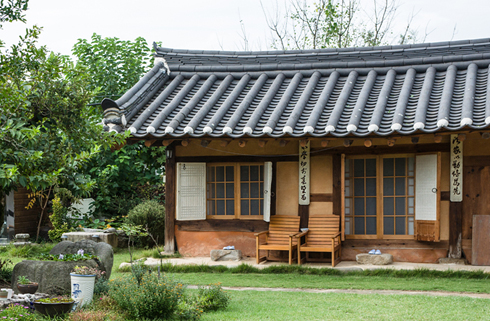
327, 92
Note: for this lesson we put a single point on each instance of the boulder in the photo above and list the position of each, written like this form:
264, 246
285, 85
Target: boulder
373, 259
226, 255
54, 276
102, 250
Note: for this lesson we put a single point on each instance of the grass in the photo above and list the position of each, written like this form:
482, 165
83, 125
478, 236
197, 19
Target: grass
357, 282
253, 305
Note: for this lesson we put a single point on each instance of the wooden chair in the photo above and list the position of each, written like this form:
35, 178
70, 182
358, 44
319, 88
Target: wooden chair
280, 236
323, 235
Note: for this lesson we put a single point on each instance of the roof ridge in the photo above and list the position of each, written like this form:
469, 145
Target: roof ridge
427, 45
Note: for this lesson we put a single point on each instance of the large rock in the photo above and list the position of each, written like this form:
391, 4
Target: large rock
102, 250
54, 276
373, 259
226, 255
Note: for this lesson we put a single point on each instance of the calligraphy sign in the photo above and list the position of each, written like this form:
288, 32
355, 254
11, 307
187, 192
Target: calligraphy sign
304, 174
456, 170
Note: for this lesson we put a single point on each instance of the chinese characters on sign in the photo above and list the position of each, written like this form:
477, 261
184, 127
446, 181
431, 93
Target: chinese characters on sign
304, 174
456, 170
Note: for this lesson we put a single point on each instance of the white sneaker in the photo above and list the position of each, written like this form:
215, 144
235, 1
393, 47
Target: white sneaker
378, 252
373, 251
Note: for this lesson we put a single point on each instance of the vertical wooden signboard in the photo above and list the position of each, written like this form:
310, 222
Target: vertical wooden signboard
304, 174
456, 170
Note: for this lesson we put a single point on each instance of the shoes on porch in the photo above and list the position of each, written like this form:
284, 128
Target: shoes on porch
373, 251
378, 252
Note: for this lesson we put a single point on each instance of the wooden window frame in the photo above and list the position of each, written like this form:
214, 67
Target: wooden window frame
237, 192
379, 199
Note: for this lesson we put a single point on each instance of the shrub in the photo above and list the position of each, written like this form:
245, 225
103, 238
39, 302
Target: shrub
101, 286
17, 312
154, 298
212, 297
6, 270
57, 218
188, 310
149, 214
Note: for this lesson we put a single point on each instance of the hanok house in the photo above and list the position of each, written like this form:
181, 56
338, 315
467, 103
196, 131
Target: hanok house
394, 139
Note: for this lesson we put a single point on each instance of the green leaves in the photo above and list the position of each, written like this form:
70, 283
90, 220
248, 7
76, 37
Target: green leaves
113, 65
47, 129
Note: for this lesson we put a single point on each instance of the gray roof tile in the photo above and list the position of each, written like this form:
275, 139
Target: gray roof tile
338, 92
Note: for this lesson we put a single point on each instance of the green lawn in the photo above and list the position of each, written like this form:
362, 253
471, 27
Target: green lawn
336, 282
253, 305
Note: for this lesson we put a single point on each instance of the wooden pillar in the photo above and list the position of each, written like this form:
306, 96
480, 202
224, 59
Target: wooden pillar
336, 179
455, 229
304, 214
273, 188
170, 186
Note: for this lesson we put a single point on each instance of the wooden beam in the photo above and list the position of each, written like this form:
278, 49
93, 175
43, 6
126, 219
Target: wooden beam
167, 142
303, 142
336, 181
462, 137
321, 197
445, 196
262, 142
118, 146
224, 142
283, 142
485, 135
368, 143
380, 149
223, 225
348, 142
236, 158
415, 140
455, 229
242, 143
391, 142
205, 143
324, 143
185, 142
437, 138
150, 142
170, 174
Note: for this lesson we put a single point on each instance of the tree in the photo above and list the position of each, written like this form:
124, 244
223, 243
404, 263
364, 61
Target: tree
114, 65
121, 176
336, 24
47, 128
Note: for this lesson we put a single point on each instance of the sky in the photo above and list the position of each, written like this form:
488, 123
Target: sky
215, 24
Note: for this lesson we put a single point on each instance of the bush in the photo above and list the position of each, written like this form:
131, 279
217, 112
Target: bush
6, 270
57, 220
149, 214
101, 286
212, 297
154, 298
188, 310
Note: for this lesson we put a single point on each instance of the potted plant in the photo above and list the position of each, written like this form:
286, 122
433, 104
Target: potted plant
52, 307
83, 283
25, 286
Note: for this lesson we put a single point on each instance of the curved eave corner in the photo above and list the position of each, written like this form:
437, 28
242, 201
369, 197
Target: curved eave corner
118, 113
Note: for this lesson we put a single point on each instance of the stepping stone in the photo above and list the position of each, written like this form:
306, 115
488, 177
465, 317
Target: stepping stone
226, 255
373, 259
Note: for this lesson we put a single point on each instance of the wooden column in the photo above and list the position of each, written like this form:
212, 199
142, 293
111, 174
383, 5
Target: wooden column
273, 188
304, 213
170, 193
455, 229
336, 179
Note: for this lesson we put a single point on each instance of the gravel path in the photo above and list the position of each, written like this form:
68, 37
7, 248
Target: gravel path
383, 292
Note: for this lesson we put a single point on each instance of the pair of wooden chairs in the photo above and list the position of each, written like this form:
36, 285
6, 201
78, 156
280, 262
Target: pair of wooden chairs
323, 235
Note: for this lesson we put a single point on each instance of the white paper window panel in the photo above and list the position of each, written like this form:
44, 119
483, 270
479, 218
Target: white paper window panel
426, 187
191, 191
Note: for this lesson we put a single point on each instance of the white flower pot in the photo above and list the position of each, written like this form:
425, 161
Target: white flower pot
82, 288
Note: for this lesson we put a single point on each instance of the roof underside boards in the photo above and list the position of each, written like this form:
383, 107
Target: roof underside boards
407, 89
